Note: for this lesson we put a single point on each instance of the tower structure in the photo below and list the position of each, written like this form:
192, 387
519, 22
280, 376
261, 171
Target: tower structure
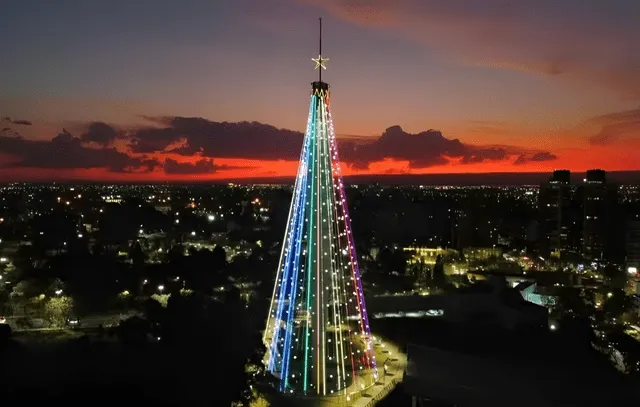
599, 198
554, 206
317, 336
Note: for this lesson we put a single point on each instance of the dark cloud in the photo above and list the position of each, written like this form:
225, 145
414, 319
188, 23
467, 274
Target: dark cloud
68, 152
207, 140
251, 140
100, 133
478, 155
615, 127
543, 156
203, 166
151, 140
428, 162
536, 157
422, 150
18, 122
22, 122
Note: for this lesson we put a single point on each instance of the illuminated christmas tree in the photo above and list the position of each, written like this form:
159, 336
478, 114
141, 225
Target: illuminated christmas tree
317, 336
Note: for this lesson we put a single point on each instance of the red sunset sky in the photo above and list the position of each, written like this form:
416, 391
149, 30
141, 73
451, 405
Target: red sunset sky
199, 90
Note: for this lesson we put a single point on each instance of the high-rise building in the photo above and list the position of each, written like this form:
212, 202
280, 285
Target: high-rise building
633, 244
598, 199
555, 204
317, 335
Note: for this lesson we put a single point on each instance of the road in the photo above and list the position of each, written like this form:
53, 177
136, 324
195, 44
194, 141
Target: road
89, 322
387, 353
633, 331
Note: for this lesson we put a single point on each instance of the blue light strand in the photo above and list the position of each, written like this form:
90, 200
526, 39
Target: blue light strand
296, 263
300, 187
287, 268
287, 235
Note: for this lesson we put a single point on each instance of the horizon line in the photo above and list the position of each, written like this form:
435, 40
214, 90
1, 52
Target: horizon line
509, 178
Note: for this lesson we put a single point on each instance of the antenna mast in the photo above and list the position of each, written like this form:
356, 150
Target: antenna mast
320, 61
320, 51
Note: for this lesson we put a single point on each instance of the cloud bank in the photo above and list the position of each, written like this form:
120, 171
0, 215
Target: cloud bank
65, 151
188, 146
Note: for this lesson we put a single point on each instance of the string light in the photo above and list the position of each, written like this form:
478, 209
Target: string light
317, 334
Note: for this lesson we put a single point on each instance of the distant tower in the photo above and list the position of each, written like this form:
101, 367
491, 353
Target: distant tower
554, 203
317, 335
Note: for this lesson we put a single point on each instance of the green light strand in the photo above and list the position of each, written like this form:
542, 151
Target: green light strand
310, 245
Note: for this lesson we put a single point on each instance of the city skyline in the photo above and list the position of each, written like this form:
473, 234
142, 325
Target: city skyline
174, 92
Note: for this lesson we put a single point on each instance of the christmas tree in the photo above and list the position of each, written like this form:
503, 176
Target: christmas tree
317, 336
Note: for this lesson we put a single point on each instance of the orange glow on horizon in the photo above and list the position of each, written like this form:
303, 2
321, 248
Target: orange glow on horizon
611, 159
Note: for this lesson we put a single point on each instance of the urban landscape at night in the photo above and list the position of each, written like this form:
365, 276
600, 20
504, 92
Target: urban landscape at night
455, 224
168, 270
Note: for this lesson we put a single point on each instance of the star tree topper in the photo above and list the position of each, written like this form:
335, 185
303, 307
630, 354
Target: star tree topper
320, 62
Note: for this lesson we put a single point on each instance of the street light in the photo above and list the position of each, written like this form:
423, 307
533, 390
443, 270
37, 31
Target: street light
58, 292
160, 288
